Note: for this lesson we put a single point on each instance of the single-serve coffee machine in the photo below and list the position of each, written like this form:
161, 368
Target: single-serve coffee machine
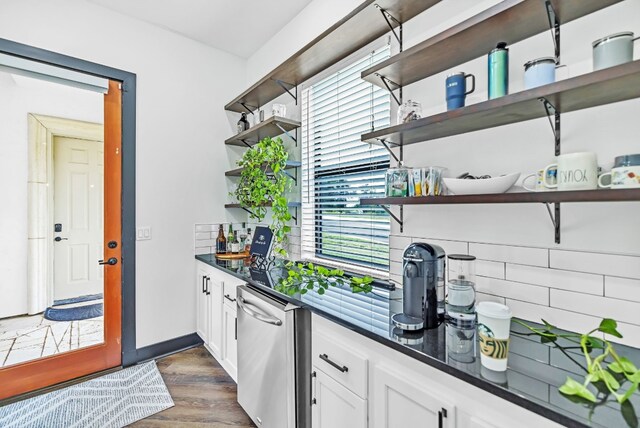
422, 287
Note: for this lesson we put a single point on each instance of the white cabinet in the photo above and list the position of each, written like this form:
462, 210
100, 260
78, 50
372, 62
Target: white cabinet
216, 315
400, 400
334, 406
230, 340
203, 300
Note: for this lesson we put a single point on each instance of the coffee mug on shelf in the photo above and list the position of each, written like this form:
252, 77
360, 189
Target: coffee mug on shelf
456, 89
613, 50
625, 173
576, 171
552, 178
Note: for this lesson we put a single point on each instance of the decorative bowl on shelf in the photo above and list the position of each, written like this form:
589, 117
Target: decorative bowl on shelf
463, 186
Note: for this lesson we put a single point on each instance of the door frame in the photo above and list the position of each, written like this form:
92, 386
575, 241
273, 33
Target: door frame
42, 132
127, 81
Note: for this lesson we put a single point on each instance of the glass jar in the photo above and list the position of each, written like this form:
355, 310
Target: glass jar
279, 110
397, 181
409, 111
461, 281
461, 341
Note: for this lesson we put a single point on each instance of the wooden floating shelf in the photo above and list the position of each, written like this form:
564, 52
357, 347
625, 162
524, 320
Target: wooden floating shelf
509, 21
619, 195
290, 204
601, 87
269, 127
238, 171
359, 28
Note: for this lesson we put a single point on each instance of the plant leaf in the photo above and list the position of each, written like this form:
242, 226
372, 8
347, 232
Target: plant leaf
609, 326
608, 378
571, 387
629, 393
623, 366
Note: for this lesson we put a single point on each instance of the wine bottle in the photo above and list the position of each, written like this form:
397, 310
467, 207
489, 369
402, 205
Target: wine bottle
235, 244
248, 240
221, 241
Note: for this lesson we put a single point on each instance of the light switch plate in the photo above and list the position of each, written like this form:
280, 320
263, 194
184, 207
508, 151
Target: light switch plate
143, 233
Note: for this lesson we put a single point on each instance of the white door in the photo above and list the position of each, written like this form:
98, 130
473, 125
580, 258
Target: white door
230, 347
78, 208
400, 401
335, 406
202, 308
214, 290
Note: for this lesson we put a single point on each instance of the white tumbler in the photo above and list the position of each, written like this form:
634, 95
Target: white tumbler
494, 325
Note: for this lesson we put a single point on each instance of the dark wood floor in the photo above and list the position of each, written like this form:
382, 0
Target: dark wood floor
204, 394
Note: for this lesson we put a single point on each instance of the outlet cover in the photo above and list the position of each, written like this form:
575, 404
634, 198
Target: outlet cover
143, 233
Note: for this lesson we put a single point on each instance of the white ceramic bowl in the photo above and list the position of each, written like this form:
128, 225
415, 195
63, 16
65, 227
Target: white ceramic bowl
461, 186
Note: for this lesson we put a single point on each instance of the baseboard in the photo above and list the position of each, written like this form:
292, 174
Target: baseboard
168, 347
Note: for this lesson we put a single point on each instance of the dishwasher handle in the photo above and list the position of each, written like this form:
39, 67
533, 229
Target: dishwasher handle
246, 307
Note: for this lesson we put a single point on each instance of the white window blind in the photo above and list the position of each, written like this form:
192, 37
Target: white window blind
338, 169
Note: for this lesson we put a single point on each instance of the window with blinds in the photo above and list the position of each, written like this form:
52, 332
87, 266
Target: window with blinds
338, 169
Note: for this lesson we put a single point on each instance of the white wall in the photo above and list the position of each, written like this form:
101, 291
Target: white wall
181, 126
591, 232
20, 96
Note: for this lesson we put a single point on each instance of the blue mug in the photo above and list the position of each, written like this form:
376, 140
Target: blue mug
457, 89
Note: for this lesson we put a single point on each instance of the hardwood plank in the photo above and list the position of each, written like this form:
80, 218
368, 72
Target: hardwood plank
356, 30
269, 127
204, 394
509, 21
601, 195
593, 89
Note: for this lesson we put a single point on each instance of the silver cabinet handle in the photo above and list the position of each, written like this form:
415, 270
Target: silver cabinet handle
325, 358
246, 307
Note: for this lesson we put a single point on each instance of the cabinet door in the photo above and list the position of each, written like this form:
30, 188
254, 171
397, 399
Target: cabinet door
399, 402
202, 307
335, 406
230, 347
214, 287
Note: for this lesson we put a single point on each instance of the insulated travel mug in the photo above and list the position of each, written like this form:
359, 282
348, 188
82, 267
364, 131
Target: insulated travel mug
498, 64
456, 87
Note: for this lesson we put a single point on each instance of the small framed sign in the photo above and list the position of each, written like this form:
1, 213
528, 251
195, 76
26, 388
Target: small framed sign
262, 242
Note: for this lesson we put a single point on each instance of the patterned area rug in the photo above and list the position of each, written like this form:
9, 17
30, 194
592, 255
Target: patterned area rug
115, 400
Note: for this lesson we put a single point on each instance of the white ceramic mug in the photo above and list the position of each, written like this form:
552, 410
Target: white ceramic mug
539, 182
576, 171
623, 177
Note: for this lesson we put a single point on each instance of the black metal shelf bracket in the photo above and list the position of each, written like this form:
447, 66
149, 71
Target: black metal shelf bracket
388, 17
244, 141
291, 176
554, 25
284, 131
388, 84
249, 211
386, 144
555, 122
555, 218
399, 220
288, 87
248, 107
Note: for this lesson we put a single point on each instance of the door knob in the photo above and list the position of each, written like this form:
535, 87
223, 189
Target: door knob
58, 239
112, 261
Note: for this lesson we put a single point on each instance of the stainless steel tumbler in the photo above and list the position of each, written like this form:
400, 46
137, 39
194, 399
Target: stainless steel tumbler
498, 64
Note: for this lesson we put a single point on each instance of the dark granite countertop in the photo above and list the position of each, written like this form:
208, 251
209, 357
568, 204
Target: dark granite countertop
536, 370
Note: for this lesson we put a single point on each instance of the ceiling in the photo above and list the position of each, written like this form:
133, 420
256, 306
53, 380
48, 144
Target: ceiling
238, 27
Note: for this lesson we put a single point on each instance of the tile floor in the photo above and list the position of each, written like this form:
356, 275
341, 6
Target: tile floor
30, 337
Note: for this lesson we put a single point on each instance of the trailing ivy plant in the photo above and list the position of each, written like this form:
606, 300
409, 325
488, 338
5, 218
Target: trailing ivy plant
263, 183
618, 370
305, 277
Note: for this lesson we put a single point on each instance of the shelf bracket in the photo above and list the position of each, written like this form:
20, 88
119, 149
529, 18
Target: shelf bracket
554, 25
249, 211
284, 131
386, 146
288, 174
245, 143
388, 83
388, 17
288, 87
400, 220
247, 107
555, 123
555, 219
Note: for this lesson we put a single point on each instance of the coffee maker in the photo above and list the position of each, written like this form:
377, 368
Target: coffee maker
422, 287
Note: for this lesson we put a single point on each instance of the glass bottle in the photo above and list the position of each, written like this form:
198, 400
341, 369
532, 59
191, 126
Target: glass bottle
229, 237
235, 244
243, 236
248, 241
243, 123
221, 241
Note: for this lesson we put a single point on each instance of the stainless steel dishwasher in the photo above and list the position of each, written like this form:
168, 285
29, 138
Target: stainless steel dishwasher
274, 360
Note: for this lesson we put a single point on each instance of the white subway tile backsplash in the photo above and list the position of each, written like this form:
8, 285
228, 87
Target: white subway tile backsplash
603, 307
203, 235
484, 297
205, 227
449, 247
604, 264
395, 255
510, 254
399, 242
554, 278
622, 288
490, 269
206, 243
395, 268
513, 290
